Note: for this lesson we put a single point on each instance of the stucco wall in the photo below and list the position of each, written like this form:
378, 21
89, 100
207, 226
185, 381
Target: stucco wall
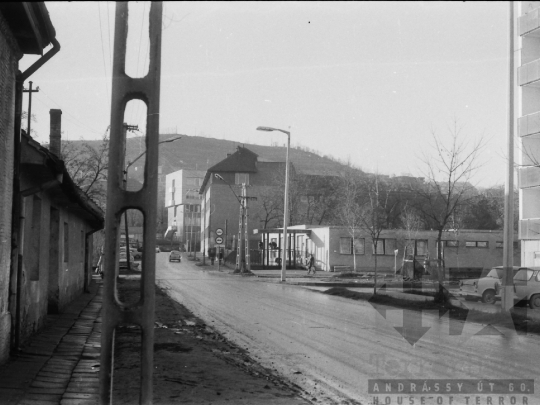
8, 68
54, 262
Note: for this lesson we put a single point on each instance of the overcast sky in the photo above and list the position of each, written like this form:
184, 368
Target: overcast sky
365, 81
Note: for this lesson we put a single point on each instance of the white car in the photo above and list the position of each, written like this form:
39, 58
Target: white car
483, 288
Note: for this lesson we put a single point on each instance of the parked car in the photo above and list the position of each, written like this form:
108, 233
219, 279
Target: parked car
484, 288
526, 286
175, 255
158, 250
123, 264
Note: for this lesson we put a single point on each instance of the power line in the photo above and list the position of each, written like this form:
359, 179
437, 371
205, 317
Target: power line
74, 119
109, 33
102, 48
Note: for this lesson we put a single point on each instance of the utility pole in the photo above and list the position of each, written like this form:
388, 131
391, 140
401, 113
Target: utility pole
507, 294
30, 91
126, 128
242, 251
115, 313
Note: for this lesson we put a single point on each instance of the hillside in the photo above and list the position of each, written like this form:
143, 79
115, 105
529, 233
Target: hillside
195, 152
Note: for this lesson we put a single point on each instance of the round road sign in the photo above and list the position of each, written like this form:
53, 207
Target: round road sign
219, 232
219, 240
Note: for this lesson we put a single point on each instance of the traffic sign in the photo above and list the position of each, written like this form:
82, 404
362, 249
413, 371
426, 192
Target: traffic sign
219, 232
219, 240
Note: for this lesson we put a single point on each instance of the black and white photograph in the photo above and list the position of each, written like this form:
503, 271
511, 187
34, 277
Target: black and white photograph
269, 202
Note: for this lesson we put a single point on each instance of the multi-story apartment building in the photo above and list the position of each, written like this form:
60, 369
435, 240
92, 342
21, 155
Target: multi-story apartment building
527, 107
183, 204
221, 204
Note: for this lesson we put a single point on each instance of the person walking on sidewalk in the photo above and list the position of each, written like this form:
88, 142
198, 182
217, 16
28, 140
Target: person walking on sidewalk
311, 263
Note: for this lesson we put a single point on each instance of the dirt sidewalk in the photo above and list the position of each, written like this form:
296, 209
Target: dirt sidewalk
193, 363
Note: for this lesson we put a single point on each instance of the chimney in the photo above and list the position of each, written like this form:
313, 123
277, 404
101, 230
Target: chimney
55, 137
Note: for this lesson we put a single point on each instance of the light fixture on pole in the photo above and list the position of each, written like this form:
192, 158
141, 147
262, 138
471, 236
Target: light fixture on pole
286, 202
125, 185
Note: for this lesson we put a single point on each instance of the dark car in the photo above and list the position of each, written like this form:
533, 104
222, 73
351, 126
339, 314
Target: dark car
175, 255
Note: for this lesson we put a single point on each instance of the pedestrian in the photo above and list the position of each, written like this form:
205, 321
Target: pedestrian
311, 263
212, 254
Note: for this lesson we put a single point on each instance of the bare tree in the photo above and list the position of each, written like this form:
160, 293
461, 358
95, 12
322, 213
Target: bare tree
448, 169
375, 211
87, 166
270, 207
350, 210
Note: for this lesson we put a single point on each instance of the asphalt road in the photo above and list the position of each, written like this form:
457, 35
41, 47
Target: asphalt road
332, 346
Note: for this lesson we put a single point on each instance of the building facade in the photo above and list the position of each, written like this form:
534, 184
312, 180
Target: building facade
466, 253
25, 28
527, 95
56, 246
183, 204
221, 196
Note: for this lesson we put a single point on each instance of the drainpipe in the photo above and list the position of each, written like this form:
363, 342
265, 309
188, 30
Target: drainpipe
17, 219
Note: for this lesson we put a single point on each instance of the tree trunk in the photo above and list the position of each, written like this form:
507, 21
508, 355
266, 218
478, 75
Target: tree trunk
441, 296
375, 283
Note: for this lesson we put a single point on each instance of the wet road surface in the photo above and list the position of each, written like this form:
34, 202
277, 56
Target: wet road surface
332, 346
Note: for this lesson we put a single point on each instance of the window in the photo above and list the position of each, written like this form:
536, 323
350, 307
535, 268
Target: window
523, 275
385, 247
416, 247
499, 244
450, 243
421, 247
360, 246
389, 247
240, 178
380, 247
66, 242
345, 246
479, 244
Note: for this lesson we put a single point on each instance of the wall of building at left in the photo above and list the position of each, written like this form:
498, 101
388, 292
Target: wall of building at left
54, 260
8, 69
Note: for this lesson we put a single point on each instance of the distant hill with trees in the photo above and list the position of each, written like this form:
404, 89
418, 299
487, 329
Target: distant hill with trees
200, 153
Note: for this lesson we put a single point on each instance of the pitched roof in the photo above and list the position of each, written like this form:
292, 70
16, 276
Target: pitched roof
35, 158
243, 160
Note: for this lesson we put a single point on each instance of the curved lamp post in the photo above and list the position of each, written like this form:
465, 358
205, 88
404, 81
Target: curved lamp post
286, 203
125, 181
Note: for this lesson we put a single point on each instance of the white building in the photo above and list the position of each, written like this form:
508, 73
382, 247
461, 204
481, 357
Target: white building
183, 204
527, 107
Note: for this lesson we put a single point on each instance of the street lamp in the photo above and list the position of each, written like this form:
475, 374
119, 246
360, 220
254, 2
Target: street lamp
286, 203
125, 186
